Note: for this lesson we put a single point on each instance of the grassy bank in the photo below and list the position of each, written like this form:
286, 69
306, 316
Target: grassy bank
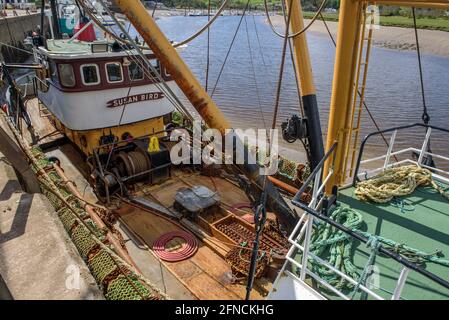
398, 21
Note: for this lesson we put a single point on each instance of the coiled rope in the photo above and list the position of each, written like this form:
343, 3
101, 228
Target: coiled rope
396, 182
335, 246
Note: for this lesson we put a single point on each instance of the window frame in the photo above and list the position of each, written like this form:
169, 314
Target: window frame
61, 81
107, 73
98, 74
54, 70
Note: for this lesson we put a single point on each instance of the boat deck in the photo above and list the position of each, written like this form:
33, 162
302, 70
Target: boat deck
423, 223
206, 274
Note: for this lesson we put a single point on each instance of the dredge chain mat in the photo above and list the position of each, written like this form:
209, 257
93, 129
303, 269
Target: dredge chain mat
117, 281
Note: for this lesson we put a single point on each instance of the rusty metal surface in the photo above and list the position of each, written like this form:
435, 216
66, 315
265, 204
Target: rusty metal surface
240, 233
240, 259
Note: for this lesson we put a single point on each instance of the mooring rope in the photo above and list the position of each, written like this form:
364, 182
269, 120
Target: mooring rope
396, 182
336, 247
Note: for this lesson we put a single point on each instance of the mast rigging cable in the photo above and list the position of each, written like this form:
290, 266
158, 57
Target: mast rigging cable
254, 74
281, 70
425, 116
230, 48
208, 49
178, 44
300, 31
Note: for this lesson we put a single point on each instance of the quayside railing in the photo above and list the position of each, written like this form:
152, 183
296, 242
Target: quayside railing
300, 238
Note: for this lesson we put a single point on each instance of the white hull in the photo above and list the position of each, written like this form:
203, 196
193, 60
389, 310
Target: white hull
88, 110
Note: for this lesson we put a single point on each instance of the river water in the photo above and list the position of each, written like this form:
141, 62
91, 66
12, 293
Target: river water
247, 88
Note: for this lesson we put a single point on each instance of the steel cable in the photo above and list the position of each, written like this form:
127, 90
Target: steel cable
230, 48
300, 31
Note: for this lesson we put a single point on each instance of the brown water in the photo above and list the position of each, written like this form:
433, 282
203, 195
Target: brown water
246, 91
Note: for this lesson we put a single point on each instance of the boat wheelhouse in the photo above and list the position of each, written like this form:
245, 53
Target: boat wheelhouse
93, 86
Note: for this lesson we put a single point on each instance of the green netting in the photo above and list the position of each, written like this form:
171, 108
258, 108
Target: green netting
121, 289
67, 218
287, 168
101, 265
83, 241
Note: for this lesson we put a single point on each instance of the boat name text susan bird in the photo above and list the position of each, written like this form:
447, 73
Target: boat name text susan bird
135, 98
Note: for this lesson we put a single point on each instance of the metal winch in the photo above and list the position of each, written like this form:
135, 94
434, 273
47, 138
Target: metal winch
139, 164
129, 164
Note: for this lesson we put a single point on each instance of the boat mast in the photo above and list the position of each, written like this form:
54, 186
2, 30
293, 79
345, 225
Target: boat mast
307, 86
343, 86
55, 18
339, 126
200, 99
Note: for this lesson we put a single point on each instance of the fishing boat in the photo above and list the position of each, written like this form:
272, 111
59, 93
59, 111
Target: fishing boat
102, 114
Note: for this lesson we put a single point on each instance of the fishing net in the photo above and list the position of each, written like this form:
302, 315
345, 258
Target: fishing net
116, 279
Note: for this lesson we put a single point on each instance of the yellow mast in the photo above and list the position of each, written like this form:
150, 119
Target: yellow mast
343, 88
307, 85
197, 95
169, 57
348, 42
301, 49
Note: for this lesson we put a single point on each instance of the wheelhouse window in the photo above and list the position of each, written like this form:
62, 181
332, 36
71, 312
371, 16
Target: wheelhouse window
135, 71
90, 74
114, 72
66, 75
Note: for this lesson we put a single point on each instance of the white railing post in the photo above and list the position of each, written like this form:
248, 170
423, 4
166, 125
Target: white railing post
400, 284
305, 252
424, 146
309, 228
316, 187
390, 149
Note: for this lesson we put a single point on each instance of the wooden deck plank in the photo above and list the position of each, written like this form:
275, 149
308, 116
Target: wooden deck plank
229, 193
206, 274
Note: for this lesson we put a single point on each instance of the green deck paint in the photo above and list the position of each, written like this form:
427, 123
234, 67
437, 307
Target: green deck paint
425, 228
